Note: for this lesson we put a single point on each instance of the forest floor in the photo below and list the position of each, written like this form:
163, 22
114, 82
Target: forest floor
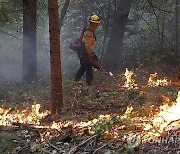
99, 119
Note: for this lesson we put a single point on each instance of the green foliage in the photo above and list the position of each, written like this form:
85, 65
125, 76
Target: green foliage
167, 57
107, 152
6, 142
142, 41
131, 93
104, 125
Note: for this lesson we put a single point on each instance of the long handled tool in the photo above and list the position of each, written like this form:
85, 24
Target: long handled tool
110, 74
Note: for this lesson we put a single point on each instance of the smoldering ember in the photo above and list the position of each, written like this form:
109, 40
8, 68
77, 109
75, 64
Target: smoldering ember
89, 77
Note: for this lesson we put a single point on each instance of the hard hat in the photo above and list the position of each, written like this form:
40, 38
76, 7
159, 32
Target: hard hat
94, 18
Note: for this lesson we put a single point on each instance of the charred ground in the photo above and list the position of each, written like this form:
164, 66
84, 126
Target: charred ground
82, 103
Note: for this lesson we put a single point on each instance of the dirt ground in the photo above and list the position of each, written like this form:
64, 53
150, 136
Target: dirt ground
82, 103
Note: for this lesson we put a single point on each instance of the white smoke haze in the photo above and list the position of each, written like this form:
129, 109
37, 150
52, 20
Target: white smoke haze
11, 54
11, 48
10, 58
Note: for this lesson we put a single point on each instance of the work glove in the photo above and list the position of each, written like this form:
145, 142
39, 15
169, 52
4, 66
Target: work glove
95, 63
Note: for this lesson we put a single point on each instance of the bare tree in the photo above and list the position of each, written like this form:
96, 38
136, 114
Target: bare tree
64, 11
29, 41
112, 56
84, 11
177, 29
56, 76
106, 28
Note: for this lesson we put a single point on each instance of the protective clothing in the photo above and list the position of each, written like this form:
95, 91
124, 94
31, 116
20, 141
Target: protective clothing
86, 55
94, 19
89, 39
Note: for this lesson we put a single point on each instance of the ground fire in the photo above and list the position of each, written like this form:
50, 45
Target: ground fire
166, 118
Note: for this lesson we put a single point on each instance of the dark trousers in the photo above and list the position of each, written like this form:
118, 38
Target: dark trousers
89, 73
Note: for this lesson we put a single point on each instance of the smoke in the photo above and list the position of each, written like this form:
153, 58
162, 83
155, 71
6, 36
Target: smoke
10, 58
11, 54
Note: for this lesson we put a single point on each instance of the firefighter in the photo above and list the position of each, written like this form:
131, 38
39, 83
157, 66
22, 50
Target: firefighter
87, 55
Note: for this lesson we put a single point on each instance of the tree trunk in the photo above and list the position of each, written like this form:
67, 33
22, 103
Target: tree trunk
56, 76
106, 30
29, 41
112, 57
177, 30
63, 12
162, 31
84, 12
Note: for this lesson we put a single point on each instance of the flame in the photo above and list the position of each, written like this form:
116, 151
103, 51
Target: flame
154, 81
167, 115
130, 81
32, 116
128, 111
168, 118
154, 125
110, 73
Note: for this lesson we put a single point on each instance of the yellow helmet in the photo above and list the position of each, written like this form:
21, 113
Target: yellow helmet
94, 18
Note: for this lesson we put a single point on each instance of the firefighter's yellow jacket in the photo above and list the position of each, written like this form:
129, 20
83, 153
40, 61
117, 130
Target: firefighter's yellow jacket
89, 40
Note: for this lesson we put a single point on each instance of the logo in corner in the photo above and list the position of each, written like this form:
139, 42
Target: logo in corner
133, 141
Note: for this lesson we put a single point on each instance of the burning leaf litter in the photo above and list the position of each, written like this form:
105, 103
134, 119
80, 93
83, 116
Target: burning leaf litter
165, 120
119, 127
154, 81
130, 79
130, 82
